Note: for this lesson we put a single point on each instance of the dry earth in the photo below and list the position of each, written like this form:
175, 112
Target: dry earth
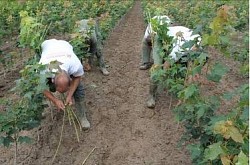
123, 131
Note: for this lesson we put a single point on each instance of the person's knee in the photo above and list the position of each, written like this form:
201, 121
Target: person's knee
145, 46
79, 93
93, 46
144, 42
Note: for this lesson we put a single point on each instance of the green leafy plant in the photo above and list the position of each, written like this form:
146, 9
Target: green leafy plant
32, 32
80, 40
213, 138
25, 112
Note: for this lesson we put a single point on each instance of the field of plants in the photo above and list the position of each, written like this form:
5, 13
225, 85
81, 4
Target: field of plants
212, 109
212, 137
25, 25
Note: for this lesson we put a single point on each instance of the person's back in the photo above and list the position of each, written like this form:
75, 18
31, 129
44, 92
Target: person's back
181, 34
61, 51
54, 49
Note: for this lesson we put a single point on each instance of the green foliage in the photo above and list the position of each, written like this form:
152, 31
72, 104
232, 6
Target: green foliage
213, 151
188, 92
37, 20
217, 26
242, 159
81, 42
32, 32
9, 18
25, 112
217, 72
81, 48
213, 139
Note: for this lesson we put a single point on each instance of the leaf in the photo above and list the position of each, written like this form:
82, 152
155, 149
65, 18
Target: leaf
194, 150
227, 130
190, 91
202, 58
31, 124
201, 112
235, 134
188, 44
213, 151
209, 40
245, 145
245, 114
221, 128
28, 95
7, 127
24, 139
217, 72
196, 70
54, 65
6, 141
242, 159
225, 160
216, 25
224, 40
197, 30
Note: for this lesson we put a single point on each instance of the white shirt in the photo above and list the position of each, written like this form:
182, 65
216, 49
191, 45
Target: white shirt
186, 36
61, 51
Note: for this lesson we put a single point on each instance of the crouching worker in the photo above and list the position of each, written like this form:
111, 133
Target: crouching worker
66, 79
179, 35
147, 42
90, 26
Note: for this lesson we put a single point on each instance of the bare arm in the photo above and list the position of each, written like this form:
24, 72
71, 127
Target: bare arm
73, 85
53, 99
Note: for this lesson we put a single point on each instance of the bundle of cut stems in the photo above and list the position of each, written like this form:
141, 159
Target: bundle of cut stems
69, 111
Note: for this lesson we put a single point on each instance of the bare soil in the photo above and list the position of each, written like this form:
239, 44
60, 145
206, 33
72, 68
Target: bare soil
123, 130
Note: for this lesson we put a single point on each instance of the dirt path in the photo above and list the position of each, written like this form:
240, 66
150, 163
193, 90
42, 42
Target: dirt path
123, 130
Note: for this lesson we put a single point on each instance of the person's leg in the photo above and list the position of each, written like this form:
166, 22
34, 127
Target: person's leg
92, 49
146, 51
158, 60
99, 53
80, 105
96, 49
157, 51
152, 94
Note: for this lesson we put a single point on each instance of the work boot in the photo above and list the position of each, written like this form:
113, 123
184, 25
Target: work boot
145, 66
81, 114
104, 71
152, 95
151, 101
84, 123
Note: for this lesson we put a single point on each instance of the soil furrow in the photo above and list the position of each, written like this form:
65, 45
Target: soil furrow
123, 130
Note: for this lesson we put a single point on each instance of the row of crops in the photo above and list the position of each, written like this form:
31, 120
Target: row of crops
31, 22
201, 16
212, 137
62, 15
34, 21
